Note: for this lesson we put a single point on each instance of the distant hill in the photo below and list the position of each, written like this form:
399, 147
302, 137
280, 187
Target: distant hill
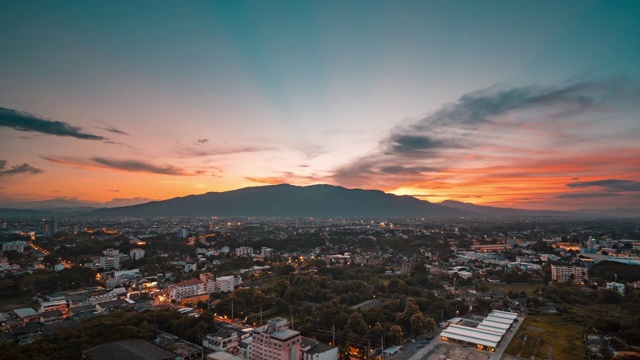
289, 201
490, 211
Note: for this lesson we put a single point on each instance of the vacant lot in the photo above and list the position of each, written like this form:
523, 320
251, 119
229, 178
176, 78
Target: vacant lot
444, 351
517, 288
548, 337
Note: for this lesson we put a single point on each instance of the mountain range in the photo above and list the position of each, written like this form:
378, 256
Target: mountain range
304, 201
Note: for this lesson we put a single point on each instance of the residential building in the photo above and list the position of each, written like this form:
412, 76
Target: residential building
244, 250
209, 281
616, 286
275, 341
17, 245
186, 288
99, 296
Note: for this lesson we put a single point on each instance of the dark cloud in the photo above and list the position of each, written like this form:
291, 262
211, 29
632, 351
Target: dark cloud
588, 195
400, 169
23, 121
17, 169
113, 190
203, 141
611, 185
413, 144
139, 166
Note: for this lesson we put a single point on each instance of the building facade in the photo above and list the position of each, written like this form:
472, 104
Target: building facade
186, 288
275, 341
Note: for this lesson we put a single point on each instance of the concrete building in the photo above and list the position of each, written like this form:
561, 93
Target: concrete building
225, 284
267, 253
221, 341
275, 341
186, 288
49, 226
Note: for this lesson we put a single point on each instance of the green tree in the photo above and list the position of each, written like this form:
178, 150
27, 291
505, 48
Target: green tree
395, 335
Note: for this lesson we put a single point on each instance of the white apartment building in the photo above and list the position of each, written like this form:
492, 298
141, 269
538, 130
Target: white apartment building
186, 288
565, 273
17, 245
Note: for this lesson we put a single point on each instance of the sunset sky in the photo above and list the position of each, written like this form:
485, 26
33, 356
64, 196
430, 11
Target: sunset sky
526, 104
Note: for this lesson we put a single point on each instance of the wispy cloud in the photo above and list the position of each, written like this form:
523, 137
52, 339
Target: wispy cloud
139, 166
17, 169
203, 148
112, 129
24, 121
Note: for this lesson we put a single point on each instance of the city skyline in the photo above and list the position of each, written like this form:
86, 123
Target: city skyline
529, 105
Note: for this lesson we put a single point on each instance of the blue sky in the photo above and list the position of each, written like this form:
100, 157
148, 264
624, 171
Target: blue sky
189, 97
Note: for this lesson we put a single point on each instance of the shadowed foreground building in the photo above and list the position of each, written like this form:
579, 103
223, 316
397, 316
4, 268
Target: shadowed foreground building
131, 349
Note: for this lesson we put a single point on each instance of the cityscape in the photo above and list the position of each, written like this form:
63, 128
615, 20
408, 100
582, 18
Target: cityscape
319, 180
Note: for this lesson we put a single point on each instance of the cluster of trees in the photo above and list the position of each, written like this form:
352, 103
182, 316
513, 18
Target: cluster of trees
44, 281
323, 308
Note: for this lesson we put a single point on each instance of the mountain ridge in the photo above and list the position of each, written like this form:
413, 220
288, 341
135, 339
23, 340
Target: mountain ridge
321, 200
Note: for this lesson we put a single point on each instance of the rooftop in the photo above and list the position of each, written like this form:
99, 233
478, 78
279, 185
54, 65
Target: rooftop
132, 349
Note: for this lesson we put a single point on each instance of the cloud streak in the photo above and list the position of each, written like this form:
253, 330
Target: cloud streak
23, 121
17, 169
134, 166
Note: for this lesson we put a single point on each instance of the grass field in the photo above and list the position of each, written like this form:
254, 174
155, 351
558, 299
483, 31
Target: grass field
528, 288
548, 337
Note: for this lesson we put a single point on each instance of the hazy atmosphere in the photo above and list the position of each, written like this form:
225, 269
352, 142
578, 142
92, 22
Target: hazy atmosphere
527, 104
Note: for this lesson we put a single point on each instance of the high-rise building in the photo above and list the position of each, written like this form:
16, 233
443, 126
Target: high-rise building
49, 226
275, 341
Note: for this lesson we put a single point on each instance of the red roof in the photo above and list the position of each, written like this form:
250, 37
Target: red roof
189, 282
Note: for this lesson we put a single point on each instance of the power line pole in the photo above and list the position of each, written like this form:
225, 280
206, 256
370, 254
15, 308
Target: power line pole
291, 311
261, 316
231, 310
333, 334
